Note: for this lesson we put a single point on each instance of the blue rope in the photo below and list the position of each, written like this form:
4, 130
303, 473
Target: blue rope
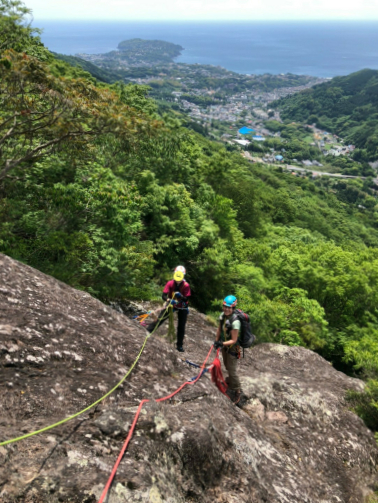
192, 364
201, 374
197, 367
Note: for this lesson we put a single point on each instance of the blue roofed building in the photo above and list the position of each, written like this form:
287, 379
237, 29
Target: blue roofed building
279, 158
258, 138
246, 130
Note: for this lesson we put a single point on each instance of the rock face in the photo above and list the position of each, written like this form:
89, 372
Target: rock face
294, 440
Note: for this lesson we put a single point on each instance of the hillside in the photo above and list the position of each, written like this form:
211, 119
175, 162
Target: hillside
347, 106
294, 440
98, 73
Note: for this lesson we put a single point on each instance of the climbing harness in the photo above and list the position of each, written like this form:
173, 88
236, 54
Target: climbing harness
42, 430
131, 431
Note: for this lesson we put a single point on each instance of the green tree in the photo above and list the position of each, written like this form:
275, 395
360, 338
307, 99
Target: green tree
15, 25
40, 114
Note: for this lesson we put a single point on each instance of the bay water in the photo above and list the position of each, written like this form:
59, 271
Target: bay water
322, 49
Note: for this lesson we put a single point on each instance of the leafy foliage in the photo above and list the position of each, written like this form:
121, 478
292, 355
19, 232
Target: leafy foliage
41, 114
366, 404
15, 30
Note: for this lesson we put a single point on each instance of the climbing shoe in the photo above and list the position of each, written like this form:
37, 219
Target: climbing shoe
237, 397
242, 401
230, 393
180, 348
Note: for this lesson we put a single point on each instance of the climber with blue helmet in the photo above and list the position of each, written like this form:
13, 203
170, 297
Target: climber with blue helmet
227, 339
177, 293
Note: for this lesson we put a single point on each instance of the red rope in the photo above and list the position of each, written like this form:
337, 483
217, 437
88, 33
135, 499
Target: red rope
131, 431
217, 376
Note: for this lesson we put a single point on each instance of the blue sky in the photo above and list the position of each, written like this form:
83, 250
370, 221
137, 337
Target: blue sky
204, 9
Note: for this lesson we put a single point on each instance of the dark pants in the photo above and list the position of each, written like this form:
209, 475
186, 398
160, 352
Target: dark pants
164, 315
231, 362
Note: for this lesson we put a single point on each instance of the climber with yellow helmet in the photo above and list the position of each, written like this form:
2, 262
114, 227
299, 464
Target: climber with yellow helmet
177, 292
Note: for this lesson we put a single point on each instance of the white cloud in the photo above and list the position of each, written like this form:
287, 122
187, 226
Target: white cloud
203, 9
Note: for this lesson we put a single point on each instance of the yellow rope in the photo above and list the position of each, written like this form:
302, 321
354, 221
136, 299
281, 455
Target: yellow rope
171, 336
27, 435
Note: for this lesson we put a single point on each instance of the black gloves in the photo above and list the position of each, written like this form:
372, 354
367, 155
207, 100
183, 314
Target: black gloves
218, 344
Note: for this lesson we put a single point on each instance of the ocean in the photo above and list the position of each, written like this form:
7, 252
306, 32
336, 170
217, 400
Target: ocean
322, 49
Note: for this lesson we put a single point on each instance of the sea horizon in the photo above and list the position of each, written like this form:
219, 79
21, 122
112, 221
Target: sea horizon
319, 48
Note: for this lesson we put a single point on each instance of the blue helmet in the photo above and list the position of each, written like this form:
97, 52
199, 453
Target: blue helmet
230, 301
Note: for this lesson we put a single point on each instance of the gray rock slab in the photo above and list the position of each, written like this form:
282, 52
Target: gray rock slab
295, 440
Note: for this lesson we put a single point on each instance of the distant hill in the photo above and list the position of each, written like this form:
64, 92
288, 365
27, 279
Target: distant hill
347, 106
149, 50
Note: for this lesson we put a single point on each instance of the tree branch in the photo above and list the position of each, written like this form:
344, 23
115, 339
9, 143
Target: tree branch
32, 154
10, 131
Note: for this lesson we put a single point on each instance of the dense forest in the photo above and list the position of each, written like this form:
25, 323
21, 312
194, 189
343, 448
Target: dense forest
104, 192
347, 106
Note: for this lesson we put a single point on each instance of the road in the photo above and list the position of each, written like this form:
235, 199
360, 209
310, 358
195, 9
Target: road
289, 167
321, 173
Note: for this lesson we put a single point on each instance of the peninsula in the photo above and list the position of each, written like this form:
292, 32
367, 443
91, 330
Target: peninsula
136, 52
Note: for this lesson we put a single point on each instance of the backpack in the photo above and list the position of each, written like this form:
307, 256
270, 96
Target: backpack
246, 337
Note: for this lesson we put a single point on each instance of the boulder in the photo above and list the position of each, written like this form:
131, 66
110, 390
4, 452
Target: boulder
294, 440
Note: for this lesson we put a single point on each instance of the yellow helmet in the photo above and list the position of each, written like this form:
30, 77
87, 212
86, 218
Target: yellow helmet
178, 276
